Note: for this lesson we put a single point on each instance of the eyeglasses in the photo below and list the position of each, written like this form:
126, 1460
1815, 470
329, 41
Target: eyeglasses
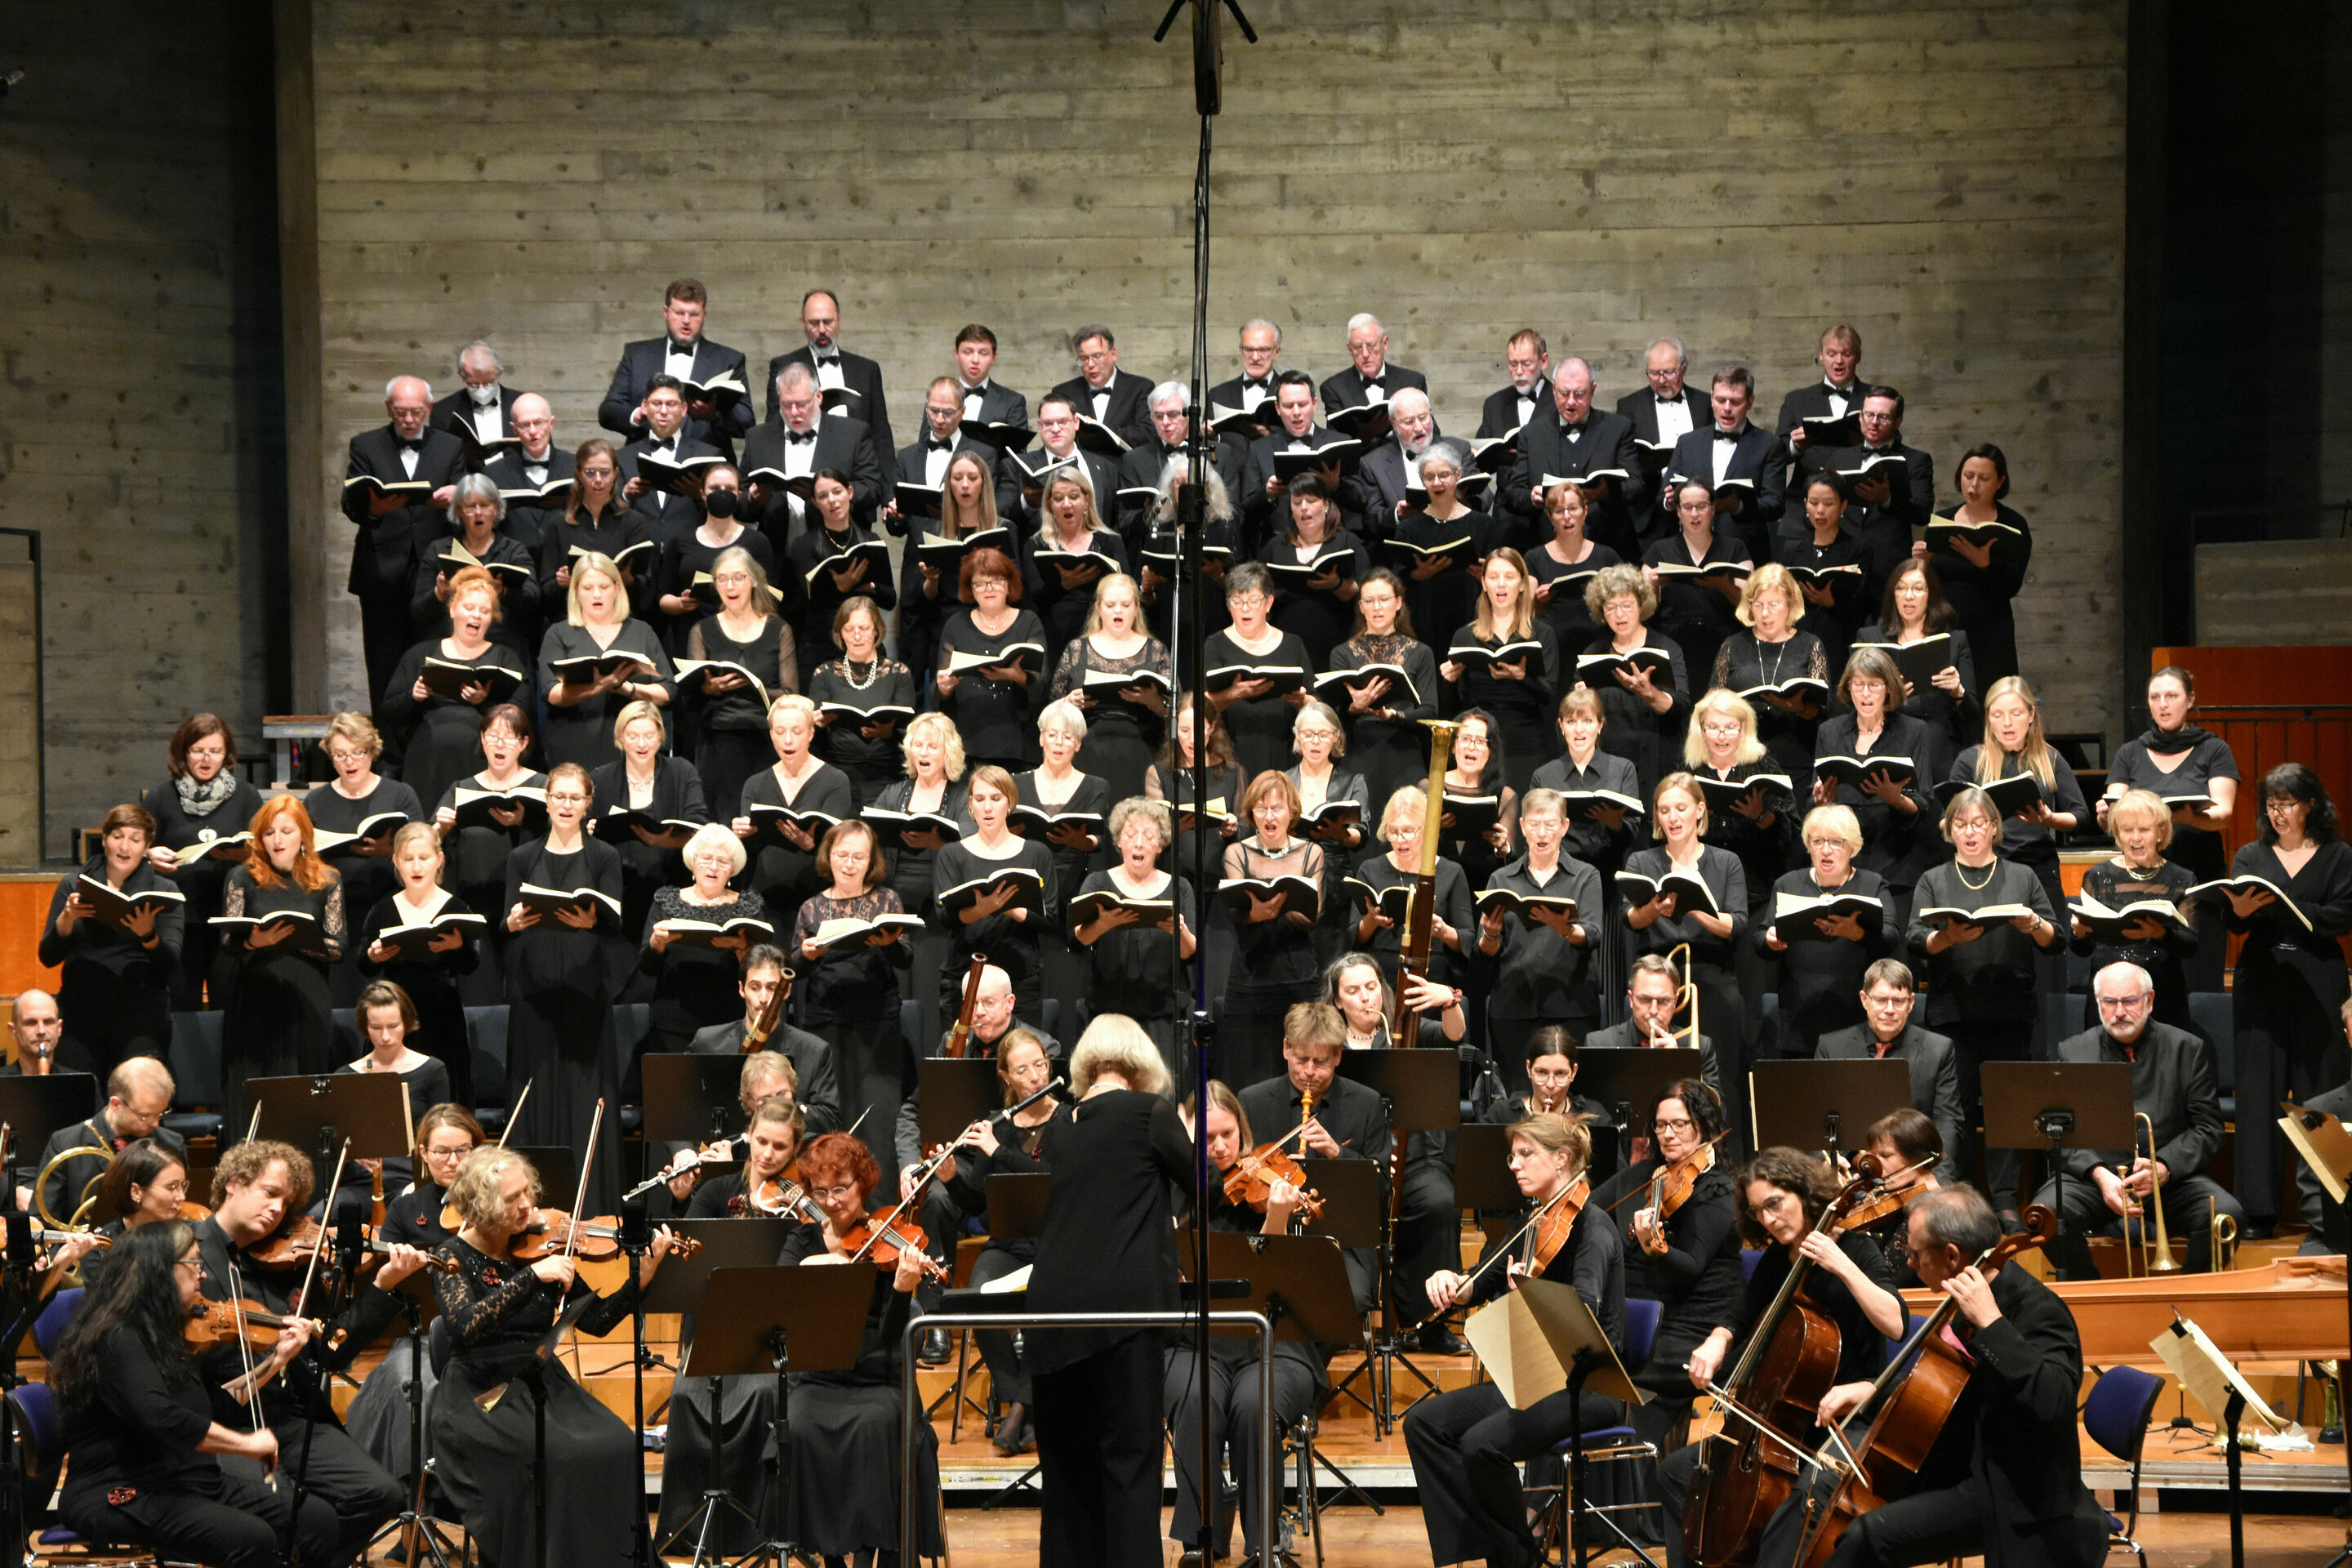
1674, 1125
195, 1263
845, 1189
1825, 844
2122, 1004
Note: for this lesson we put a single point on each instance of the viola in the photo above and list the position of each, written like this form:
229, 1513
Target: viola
224, 1323
1671, 1188
292, 1248
780, 1195
1889, 1200
1251, 1181
1552, 1225
883, 1238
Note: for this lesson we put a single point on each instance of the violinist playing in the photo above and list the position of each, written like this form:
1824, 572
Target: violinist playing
1300, 1382
512, 1278
1908, 1150
1682, 1242
1346, 1119
147, 1182
140, 1435
1005, 1145
1784, 1192
1467, 1443
259, 1191
2005, 1478
843, 1435
765, 1076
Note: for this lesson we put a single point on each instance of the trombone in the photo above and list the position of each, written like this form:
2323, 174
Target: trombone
2155, 1256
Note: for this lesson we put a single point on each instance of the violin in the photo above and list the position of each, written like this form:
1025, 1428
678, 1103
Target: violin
292, 1248
1671, 1188
1871, 1210
782, 1197
1252, 1177
885, 1238
222, 1322
1549, 1229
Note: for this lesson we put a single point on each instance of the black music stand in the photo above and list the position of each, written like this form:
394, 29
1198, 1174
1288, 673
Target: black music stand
36, 1108
2057, 1106
1421, 1090
416, 1532
952, 1093
678, 1286
1814, 1104
1353, 1213
689, 1100
1482, 1168
1629, 1082
1584, 1352
316, 1112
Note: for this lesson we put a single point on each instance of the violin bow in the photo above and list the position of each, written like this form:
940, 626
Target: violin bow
252, 1400
311, 1275
587, 1166
516, 1110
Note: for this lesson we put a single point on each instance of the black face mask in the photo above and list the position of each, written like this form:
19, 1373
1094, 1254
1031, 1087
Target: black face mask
720, 503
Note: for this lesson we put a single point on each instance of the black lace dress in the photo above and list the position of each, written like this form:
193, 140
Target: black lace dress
496, 1311
1122, 737
279, 1021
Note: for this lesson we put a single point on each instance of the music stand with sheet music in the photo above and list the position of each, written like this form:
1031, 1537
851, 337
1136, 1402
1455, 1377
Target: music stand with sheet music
1421, 1091
316, 1112
954, 1092
2323, 1143
678, 1286
1814, 1104
36, 1108
1629, 1082
779, 1319
2057, 1106
2207, 1376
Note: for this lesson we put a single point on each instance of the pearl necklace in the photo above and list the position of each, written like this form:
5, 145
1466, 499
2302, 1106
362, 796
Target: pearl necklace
849, 672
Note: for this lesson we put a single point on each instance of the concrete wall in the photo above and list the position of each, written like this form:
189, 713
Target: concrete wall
2294, 592
140, 430
1948, 177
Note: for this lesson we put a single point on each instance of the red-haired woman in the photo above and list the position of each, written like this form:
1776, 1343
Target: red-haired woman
994, 706
282, 927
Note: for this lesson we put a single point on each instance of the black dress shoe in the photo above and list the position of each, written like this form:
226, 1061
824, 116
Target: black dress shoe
934, 1348
1441, 1341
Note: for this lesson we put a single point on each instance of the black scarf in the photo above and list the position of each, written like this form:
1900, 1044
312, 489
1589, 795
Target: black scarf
2188, 738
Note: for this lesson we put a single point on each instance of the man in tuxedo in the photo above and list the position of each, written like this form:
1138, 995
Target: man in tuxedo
1664, 411
683, 352
1890, 488
983, 399
1887, 1033
533, 465
1172, 425
1393, 466
2174, 1086
1726, 447
1370, 374
394, 527
1263, 489
1528, 358
1350, 1122
801, 441
837, 368
1261, 350
1113, 397
481, 411
1581, 440
1835, 395
1058, 446
926, 462
667, 514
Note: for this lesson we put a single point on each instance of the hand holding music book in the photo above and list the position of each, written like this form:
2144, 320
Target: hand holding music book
309, 938
1028, 891
2010, 796
449, 677
848, 930
1294, 465
768, 823
1335, 686
686, 668
474, 807
1850, 769
1029, 655
1395, 901
708, 933
414, 943
1087, 908
375, 827
1298, 895
548, 901
1690, 890
2107, 922
114, 908
1797, 918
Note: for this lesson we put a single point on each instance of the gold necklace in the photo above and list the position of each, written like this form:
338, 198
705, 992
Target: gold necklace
1962, 873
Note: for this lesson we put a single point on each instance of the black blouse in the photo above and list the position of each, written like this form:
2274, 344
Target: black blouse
694, 984
997, 719
856, 981
1107, 1244
1724, 878
1135, 969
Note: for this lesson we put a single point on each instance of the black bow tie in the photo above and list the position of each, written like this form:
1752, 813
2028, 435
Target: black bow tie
1261, 386
676, 347
799, 436
831, 358
412, 444
933, 444
1575, 430
1664, 402
1723, 435
1376, 383
980, 391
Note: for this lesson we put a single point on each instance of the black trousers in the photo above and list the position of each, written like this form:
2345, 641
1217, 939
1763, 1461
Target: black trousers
1099, 1439
1233, 1416
232, 1523
1973, 1045
1428, 1237
360, 1492
1467, 1446
1944, 1526
1007, 1378
2190, 1202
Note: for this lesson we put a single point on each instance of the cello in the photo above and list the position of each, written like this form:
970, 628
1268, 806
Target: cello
1926, 1379
1747, 1469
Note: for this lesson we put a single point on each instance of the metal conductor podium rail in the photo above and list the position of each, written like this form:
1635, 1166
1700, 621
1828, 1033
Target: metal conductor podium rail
910, 1400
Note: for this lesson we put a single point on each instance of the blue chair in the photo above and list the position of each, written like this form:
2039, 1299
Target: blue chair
1610, 1445
2117, 1416
194, 1058
1749, 1257
50, 1326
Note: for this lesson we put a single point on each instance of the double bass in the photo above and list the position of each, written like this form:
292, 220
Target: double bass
1748, 1469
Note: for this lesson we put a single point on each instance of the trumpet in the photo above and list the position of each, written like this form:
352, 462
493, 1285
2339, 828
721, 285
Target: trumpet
2156, 1255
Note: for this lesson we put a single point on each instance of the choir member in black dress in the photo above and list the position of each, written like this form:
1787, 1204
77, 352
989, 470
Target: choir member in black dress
650, 779
815, 590
1521, 691
1679, 817
933, 785
1467, 1443
477, 539
1325, 794
694, 971
1273, 965
928, 590
685, 582
1913, 610
2290, 980
2138, 872
1822, 958
1752, 813
730, 705
1783, 1193
203, 800
115, 995
562, 970
1828, 568
1981, 579
278, 1018
357, 798
476, 872
1170, 779
1300, 1383
1314, 608
994, 706
498, 1308
1539, 958
842, 1427
433, 728
1138, 965
1564, 566
850, 999
1437, 547
1106, 1246
1602, 827
594, 520
1388, 745
1057, 787
138, 1432
1896, 816
1071, 552
784, 868
1474, 786
2013, 745
581, 708
1698, 594
1452, 920
1647, 710
1125, 724
1981, 976
2194, 774
1012, 938
1258, 723
855, 732
1760, 664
